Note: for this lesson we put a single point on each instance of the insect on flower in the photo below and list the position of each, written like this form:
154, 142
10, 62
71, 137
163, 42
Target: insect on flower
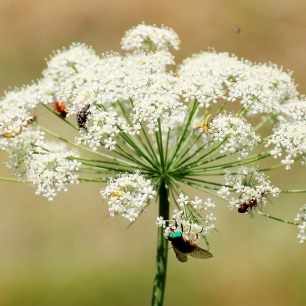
184, 246
60, 107
202, 126
243, 208
32, 119
11, 135
82, 116
117, 193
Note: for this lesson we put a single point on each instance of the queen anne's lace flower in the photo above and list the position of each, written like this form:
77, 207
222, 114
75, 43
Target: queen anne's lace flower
251, 186
209, 76
237, 132
302, 217
128, 195
289, 137
190, 225
148, 37
134, 105
32, 159
295, 109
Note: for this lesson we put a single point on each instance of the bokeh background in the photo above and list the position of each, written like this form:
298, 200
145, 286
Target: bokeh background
67, 252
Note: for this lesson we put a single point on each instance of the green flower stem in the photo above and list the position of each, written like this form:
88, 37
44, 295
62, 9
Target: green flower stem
59, 116
159, 142
187, 151
191, 179
107, 170
82, 179
81, 159
277, 219
262, 123
121, 161
205, 189
150, 145
185, 137
148, 149
190, 182
179, 144
147, 137
131, 157
221, 108
162, 249
167, 145
200, 160
8, 179
293, 191
234, 164
136, 147
278, 165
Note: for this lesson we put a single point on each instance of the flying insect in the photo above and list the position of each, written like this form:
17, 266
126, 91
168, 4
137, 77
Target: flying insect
183, 246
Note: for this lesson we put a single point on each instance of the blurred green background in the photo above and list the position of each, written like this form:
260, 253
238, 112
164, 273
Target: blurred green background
66, 252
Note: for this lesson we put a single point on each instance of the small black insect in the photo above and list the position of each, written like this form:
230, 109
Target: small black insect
82, 116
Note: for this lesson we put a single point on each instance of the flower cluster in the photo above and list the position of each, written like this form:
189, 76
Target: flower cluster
291, 138
128, 195
302, 217
209, 76
187, 222
237, 132
251, 186
150, 37
146, 114
50, 169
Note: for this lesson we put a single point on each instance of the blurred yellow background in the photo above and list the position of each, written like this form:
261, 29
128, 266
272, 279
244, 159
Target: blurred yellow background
66, 252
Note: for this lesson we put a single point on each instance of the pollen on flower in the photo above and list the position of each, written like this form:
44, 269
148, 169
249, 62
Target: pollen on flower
136, 192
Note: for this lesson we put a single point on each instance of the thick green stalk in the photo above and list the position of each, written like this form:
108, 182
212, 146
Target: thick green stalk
162, 250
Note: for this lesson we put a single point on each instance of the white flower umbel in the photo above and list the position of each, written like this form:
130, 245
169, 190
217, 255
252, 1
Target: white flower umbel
289, 137
302, 227
179, 125
237, 132
252, 188
33, 160
209, 76
128, 195
150, 37
189, 221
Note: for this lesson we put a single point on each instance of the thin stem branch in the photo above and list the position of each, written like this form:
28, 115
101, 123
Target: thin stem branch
8, 179
277, 219
85, 148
